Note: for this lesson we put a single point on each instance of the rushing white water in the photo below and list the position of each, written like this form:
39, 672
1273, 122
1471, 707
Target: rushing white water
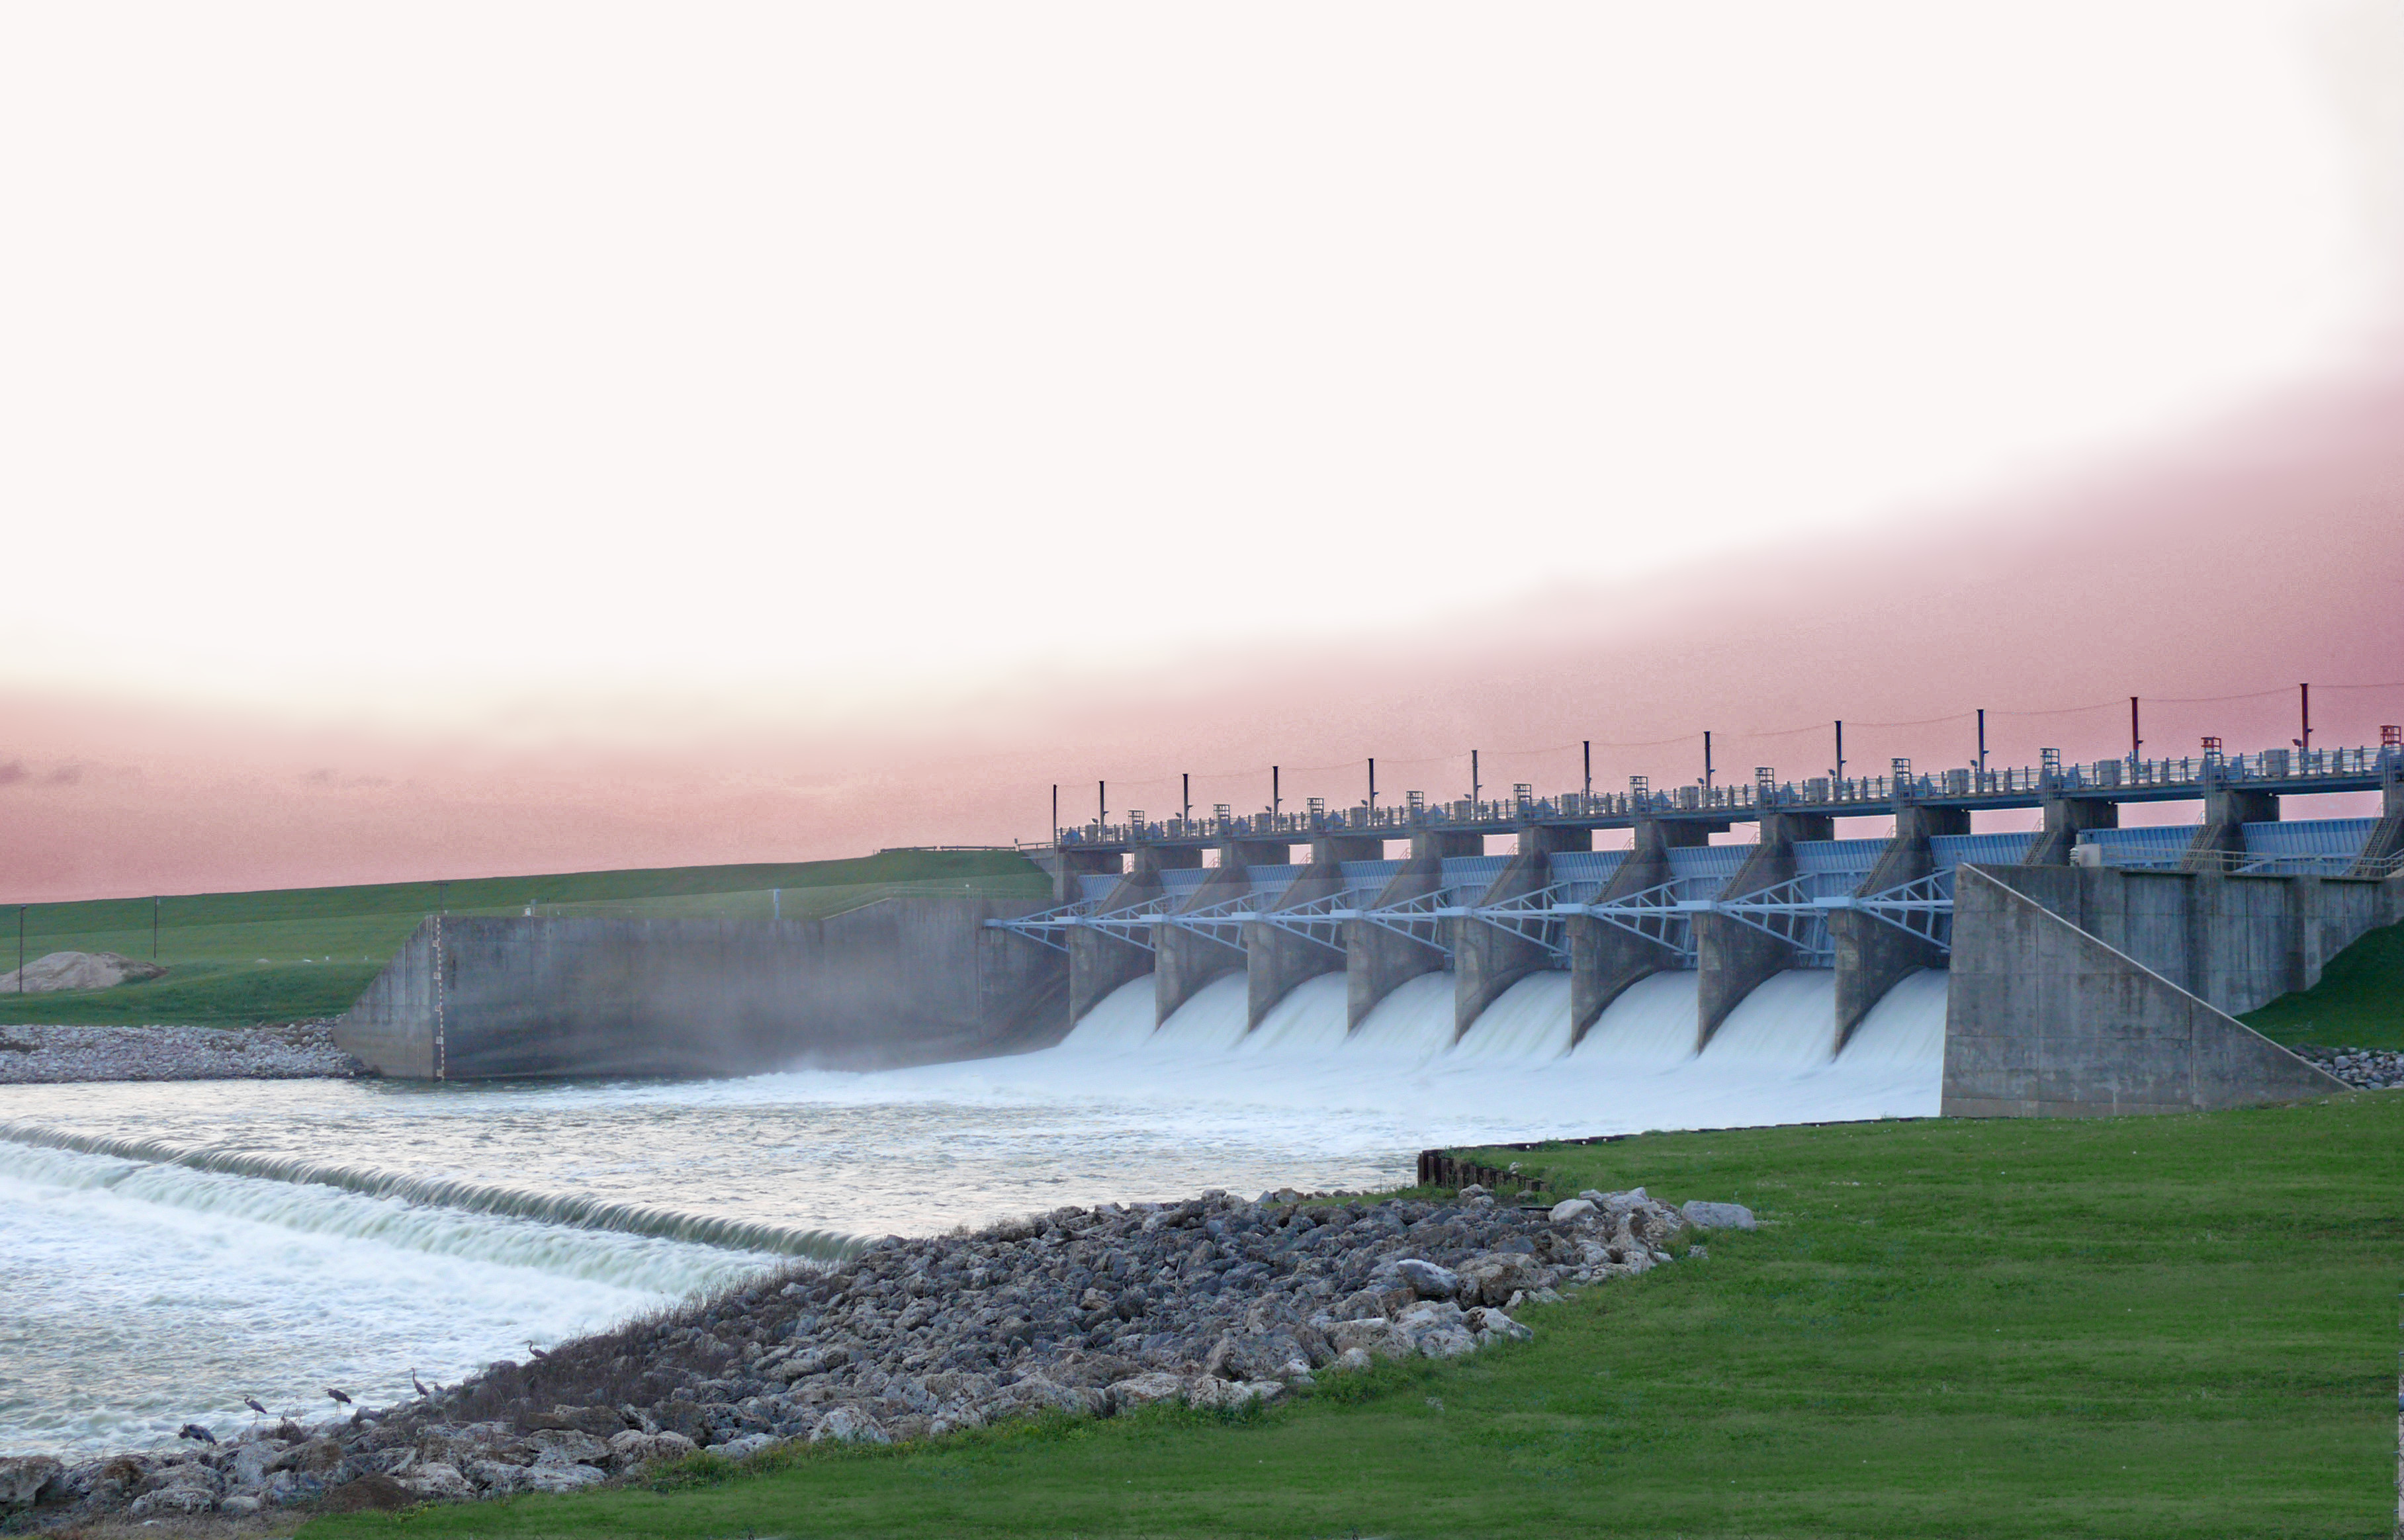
1906, 1029
143, 1295
1785, 1027
1649, 1029
1308, 1022
195, 1243
1411, 1025
1211, 1023
1530, 1021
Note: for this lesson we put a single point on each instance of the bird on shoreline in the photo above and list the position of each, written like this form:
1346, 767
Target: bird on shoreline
340, 1399
252, 1402
536, 1350
194, 1431
419, 1384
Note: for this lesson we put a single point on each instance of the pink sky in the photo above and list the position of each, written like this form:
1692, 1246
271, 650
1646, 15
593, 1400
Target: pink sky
2267, 551
781, 431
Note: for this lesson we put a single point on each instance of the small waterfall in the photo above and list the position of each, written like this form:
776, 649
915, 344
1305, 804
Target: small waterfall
1120, 1021
451, 1193
1530, 1023
1306, 1023
1211, 1023
1787, 1026
1904, 1030
1650, 1028
1412, 1024
647, 1263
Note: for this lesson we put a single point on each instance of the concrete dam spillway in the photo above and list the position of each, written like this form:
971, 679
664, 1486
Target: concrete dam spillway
2080, 969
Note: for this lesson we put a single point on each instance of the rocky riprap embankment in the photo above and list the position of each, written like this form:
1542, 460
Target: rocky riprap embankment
2364, 1069
1216, 1302
36, 1056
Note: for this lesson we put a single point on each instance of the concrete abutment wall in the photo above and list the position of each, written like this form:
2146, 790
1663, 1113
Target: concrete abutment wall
905, 980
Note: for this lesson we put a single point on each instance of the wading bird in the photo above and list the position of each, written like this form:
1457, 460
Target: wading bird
252, 1402
536, 1350
193, 1430
419, 1384
340, 1399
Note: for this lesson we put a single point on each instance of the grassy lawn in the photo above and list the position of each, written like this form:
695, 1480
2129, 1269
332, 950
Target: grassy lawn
2132, 1328
2358, 1003
293, 954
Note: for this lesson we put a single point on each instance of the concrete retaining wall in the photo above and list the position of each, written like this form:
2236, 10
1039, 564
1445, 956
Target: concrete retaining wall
2045, 1019
2238, 942
906, 980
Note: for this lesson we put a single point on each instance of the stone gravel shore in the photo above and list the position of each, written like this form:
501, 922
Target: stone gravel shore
1216, 1302
44, 1056
2364, 1069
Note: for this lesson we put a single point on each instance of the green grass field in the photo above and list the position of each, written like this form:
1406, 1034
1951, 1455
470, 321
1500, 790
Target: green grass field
294, 954
2358, 1003
2176, 1326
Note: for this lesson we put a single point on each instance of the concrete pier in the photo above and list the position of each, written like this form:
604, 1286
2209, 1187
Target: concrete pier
1380, 960
1488, 958
1604, 958
1278, 957
1736, 958
1872, 956
1184, 960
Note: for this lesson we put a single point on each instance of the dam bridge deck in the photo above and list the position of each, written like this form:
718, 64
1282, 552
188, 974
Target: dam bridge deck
2280, 895
2271, 772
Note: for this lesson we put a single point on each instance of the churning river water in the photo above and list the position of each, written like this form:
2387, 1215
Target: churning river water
168, 1249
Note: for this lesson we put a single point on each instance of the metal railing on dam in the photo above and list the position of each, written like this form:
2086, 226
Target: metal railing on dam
2286, 772
1832, 877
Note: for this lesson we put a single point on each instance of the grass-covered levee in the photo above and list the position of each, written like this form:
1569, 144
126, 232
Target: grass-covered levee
2119, 1328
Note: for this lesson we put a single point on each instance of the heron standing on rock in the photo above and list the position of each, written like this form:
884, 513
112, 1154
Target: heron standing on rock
340, 1399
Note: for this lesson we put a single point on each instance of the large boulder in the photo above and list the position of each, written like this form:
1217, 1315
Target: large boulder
1427, 1280
849, 1426
559, 1475
631, 1449
22, 1479
1142, 1390
568, 1447
1716, 1217
76, 970
438, 1481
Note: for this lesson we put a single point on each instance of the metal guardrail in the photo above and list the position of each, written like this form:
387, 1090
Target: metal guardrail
2284, 771
2238, 863
1922, 908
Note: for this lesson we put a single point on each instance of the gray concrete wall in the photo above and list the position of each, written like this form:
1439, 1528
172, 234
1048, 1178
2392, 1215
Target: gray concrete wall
1873, 956
2045, 1020
2226, 813
906, 980
2237, 942
1737, 958
1377, 961
1185, 960
1100, 962
1605, 959
1488, 959
2064, 817
1276, 959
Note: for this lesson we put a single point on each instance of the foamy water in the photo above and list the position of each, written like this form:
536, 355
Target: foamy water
174, 1247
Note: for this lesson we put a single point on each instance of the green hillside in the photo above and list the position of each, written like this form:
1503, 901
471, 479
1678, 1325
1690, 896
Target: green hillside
2358, 1003
298, 953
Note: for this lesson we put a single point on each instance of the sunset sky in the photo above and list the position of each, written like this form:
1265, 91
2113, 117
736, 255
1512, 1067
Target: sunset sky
453, 439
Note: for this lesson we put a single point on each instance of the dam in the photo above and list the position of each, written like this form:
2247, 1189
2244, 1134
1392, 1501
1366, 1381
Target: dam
2080, 967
